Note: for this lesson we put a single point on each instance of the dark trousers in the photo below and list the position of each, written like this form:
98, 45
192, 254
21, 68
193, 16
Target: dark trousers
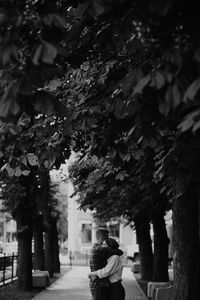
116, 291
101, 293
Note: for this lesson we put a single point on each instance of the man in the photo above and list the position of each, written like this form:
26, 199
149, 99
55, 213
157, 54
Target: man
98, 259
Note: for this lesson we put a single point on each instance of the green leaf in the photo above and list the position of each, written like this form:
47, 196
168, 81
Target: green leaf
158, 80
128, 83
141, 85
197, 55
192, 90
91, 122
127, 157
7, 52
97, 8
3, 16
163, 107
32, 159
26, 172
4, 56
24, 160
81, 10
152, 143
54, 20
161, 7
120, 177
5, 106
49, 53
45, 52
188, 121
37, 54
177, 96
119, 108
8, 102
166, 105
18, 172
169, 97
47, 164
15, 108
176, 57
196, 126
4, 167
10, 170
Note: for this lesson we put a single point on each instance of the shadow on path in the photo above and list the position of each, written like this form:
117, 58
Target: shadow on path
74, 286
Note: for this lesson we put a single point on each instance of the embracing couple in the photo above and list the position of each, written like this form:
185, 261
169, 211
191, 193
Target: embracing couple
106, 268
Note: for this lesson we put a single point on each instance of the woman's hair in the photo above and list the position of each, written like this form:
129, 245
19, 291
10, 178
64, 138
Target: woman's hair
112, 243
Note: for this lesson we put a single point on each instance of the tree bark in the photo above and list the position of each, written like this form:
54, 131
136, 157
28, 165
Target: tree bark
142, 227
24, 215
24, 261
55, 246
48, 251
186, 244
161, 242
47, 218
38, 244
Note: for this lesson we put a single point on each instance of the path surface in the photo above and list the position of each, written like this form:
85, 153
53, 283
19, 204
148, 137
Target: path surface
74, 286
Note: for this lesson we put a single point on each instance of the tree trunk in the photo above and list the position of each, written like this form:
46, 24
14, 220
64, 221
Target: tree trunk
186, 244
38, 244
161, 242
24, 215
24, 261
145, 247
48, 252
47, 218
55, 246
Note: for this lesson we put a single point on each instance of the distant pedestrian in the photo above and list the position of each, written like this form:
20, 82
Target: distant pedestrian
112, 271
99, 254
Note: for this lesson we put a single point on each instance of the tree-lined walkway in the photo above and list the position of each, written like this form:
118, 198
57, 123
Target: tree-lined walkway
74, 285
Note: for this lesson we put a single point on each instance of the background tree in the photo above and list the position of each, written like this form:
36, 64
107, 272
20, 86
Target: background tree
130, 193
19, 199
60, 203
162, 81
143, 68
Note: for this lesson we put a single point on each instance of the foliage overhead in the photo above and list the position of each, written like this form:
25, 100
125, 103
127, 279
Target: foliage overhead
133, 79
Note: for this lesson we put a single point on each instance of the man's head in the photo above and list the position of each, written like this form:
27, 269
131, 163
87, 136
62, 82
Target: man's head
101, 234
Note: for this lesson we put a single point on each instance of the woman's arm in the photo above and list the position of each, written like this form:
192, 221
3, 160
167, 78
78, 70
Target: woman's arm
109, 269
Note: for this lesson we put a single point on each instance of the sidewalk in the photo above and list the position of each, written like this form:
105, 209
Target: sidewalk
74, 286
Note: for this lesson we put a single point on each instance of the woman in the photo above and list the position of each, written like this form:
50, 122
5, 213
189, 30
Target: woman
113, 270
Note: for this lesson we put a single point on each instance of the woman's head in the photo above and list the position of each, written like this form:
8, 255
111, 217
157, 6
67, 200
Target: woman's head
112, 243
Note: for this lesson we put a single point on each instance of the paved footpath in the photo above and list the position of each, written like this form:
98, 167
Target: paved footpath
74, 286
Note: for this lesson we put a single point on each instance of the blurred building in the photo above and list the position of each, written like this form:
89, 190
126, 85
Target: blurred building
81, 227
7, 226
8, 242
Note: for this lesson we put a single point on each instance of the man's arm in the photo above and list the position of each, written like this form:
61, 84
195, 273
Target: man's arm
98, 257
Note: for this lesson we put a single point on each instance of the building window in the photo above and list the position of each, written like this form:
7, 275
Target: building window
86, 233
